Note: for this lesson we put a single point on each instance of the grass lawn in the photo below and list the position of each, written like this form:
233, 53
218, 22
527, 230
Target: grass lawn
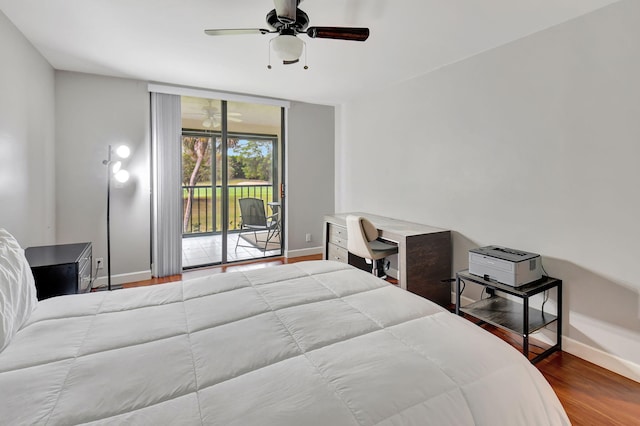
202, 205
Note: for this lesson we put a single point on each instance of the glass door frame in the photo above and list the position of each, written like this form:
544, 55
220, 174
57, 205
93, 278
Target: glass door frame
277, 158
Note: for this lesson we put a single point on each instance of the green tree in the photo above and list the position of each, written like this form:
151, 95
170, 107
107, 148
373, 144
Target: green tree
236, 164
196, 168
196, 160
256, 159
232, 168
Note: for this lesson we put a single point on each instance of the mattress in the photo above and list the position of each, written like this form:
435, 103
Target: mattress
310, 343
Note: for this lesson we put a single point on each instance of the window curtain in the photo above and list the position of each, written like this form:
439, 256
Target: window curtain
166, 232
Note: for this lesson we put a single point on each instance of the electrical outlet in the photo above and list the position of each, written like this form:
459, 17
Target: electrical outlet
308, 238
99, 262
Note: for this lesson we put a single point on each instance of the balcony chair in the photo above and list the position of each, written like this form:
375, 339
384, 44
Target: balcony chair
254, 219
362, 241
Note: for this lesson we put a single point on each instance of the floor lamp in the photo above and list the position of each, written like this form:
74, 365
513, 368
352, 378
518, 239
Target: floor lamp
114, 171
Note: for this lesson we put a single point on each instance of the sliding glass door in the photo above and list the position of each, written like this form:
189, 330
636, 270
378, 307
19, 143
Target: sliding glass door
201, 199
231, 161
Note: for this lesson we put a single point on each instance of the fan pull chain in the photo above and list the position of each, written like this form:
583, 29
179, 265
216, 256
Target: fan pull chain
306, 67
269, 65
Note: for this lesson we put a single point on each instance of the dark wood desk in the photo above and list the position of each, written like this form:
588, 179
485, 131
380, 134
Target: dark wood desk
424, 252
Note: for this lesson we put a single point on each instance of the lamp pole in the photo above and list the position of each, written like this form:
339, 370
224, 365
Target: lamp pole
107, 163
116, 172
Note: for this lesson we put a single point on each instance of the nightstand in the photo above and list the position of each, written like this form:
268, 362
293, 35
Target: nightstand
60, 269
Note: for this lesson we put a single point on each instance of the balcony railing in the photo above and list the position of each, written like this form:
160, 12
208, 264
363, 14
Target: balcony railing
205, 216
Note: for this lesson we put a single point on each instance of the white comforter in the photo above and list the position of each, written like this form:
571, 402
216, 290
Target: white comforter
313, 343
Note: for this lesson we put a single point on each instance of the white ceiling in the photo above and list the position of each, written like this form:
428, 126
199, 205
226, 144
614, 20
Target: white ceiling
163, 40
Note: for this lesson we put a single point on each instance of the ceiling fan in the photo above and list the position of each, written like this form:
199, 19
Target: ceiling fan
289, 21
213, 116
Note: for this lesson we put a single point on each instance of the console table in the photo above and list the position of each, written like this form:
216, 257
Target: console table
424, 252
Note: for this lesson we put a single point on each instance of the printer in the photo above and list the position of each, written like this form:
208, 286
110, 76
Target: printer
505, 265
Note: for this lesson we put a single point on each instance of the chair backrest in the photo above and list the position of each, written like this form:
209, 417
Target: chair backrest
360, 231
252, 211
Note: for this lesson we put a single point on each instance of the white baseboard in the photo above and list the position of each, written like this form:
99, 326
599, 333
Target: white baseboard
118, 280
303, 252
598, 357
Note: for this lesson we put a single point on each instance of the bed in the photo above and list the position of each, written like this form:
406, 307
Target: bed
310, 343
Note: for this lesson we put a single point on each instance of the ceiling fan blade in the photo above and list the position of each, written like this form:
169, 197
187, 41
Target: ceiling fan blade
339, 33
286, 10
237, 31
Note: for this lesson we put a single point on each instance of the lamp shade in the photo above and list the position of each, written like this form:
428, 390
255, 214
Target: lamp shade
123, 151
287, 47
122, 176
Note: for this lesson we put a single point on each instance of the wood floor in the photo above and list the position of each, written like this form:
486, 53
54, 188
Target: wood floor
245, 266
591, 395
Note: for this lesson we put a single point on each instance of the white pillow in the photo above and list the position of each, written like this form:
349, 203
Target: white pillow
17, 288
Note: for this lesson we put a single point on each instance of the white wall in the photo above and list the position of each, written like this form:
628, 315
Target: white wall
95, 111
91, 113
534, 146
27, 191
309, 175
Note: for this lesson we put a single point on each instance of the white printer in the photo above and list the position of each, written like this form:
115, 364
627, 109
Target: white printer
505, 265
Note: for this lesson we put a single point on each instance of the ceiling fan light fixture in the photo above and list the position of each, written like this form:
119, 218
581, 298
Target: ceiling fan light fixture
289, 21
287, 47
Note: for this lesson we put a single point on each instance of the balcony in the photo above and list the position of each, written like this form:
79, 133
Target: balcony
202, 224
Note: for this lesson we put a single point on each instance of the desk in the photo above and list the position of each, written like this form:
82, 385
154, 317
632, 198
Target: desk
424, 252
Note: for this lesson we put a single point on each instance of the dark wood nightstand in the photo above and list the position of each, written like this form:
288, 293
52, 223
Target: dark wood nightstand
60, 269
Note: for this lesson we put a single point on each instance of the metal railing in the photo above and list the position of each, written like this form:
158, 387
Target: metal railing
205, 215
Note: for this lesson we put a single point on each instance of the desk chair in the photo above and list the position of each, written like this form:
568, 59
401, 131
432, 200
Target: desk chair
362, 241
